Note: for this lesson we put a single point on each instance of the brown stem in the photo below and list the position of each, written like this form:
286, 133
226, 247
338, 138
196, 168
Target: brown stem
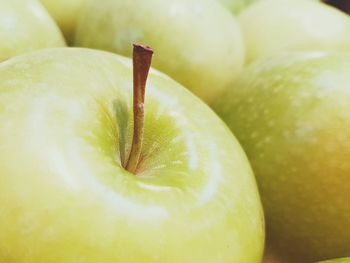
142, 58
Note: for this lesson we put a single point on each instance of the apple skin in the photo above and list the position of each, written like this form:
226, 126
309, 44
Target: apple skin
66, 14
66, 119
236, 6
26, 26
340, 260
197, 42
272, 255
291, 115
276, 26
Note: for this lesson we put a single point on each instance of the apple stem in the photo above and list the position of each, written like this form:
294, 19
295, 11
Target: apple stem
142, 58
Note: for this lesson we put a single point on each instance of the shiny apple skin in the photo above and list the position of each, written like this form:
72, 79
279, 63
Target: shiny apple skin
26, 26
65, 197
272, 27
291, 115
197, 42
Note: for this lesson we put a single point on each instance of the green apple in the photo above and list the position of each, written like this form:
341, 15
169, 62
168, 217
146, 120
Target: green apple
66, 14
340, 260
291, 114
26, 26
275, 26
198, 42
66, 128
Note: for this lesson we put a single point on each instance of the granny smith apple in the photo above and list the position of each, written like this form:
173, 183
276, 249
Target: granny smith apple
26, 26
275, 26
291, 114
66, 14
340, 260
70, 189
197, 42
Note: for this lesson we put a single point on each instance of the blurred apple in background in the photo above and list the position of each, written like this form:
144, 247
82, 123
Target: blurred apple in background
292, 116
65, 195
197, 42
276, 26
66, 14
272, 255
26, 26
340, 260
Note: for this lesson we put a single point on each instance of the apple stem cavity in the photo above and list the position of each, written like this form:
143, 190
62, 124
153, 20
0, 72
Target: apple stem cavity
142, 58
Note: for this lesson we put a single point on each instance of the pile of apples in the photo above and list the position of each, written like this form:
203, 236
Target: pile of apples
106, 160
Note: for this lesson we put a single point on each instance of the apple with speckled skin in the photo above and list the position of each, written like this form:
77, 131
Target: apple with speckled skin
271, 27
198, 42
26, 26
291, 115
66, 14
80, 184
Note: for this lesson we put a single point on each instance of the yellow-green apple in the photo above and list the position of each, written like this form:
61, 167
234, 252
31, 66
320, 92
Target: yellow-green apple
340, 260
26, 26
275, 26
198, 42
66, 14
70, 191
291, 114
